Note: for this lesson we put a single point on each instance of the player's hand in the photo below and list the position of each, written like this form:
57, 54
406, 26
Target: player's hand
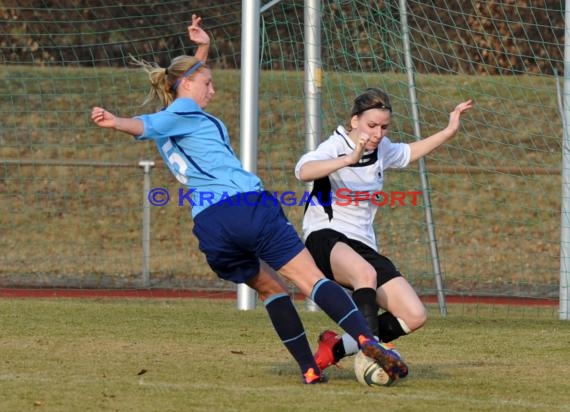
196, 33
102, 117
361, 142
455, 115
462, 108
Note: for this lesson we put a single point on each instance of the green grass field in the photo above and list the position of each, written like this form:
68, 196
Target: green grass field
204, 355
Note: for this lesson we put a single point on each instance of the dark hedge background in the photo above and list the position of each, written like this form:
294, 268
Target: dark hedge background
486, 37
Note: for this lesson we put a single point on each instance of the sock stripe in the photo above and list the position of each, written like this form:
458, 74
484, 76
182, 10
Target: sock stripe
317, 286
294, 338
274, 297
347, 315
405, 327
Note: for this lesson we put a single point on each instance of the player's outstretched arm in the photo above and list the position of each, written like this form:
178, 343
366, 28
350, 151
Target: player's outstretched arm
200, 37
315, 169
106, 119
425, 146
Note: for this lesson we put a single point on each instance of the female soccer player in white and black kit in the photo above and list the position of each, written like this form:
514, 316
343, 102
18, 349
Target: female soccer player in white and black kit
347, 170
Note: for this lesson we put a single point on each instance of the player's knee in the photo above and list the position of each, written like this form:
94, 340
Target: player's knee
368, 277
267, 293
417, 317
267, 286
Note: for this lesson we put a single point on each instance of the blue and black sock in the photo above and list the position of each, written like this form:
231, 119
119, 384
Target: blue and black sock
339, 306
289, 327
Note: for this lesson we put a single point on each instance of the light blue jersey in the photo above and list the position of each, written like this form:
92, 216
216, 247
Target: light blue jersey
196, 147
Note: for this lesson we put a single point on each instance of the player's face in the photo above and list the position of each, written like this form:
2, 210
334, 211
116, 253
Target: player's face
373, 122
201, 87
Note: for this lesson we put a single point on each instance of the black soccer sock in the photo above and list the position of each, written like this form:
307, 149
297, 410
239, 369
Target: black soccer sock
389, 327
338, 351
365, 299
289, 327
338, 305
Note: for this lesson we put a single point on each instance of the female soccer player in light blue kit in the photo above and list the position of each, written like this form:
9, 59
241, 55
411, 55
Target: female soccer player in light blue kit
244, 235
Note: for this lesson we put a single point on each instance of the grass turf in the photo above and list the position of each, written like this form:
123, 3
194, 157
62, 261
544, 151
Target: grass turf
199, 355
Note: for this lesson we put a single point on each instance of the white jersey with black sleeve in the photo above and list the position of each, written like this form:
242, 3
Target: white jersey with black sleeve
336, 200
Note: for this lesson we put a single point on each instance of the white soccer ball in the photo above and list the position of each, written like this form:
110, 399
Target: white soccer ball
368, 372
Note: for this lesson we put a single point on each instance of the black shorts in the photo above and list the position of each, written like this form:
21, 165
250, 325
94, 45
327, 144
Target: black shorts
321, 242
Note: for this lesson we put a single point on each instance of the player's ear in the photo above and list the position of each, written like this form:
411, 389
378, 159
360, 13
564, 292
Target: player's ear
186, 84
354, 121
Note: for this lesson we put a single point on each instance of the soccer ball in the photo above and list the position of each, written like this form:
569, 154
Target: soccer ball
368, 372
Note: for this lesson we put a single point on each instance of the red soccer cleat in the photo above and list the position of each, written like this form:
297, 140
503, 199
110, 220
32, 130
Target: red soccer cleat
324, 356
